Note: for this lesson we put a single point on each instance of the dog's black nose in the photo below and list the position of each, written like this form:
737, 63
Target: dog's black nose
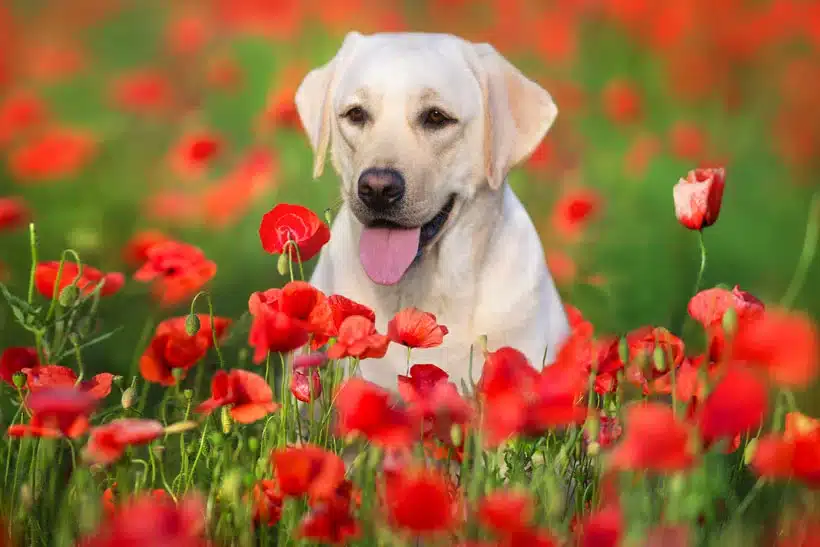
380, 189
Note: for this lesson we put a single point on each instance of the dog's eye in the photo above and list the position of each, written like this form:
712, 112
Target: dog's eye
356, 115
435, 119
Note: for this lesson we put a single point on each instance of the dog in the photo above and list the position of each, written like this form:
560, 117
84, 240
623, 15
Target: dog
423, 129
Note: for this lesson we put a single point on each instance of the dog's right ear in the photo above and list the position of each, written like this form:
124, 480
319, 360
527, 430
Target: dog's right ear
313, 103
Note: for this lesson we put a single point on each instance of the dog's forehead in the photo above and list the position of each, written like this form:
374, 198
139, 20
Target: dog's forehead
409, 65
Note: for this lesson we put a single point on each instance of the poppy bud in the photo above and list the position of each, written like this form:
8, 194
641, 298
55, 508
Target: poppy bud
26, 496
128, 397
117, 380
623, 350
593, 449
729, 321
215, 438
253, 444
749, 453
677, 483
659, 359
159, 450
68, 296
178, 374
328, 216
19, 380
188, 394
282, 264
225, 419
593, 428
455, 435
698, 197
192, 324
181, 427
482, 343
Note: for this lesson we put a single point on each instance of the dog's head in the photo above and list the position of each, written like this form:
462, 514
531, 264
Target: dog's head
416, 124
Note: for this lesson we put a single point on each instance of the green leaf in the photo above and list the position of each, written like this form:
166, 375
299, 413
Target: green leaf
93, 341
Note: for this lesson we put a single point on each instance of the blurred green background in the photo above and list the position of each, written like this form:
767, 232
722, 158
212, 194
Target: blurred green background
646, 91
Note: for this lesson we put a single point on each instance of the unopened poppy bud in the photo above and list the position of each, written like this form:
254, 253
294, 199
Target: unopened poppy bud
178, 374
225, 419
482, 343
117, 380
128, 397
593, 449
677, 483
181, 427
623, 351
253, 444
188, 394
593, 428
749, 453
68, 296
328, 216
192, 324
455, 435
159, 450
19, 379
282, 264
659, 359
230, 485
730, 321
26, 496
215, 438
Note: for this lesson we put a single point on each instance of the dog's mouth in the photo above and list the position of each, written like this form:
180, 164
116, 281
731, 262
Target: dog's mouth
387, 249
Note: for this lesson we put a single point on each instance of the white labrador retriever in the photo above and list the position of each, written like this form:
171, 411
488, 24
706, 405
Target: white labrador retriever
423, 129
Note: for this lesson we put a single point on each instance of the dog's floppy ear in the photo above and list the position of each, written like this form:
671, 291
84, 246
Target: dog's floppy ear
518, 113
313, 103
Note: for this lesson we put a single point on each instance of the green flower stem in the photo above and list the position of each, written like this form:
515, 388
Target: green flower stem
284, 397
32, 240
55, 294
192, 469
806, 255
292, 244
212, 325
699, 278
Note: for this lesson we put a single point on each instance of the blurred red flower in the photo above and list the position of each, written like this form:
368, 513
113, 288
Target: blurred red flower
135, 252
786, 344
48, 274
55, 153
329, 524
341, 308
173, 348
416, 329
667, 535
506, 512
371, 411
107, 443
736, 405
187, 34
556, 34
56, 411
279, 19
654, 441
308, 470
54, 60
49, 376
295, 223
639, 155
621, 102
687, 142
305, 385
562, 266
177, 270
223, 73
248, 394
420, 501
142, 91
574, 210
698, 197
109, 501
430, 395
20, 112
193, 153
603, 528
709, 307
793, 454
14, 360
150, 520
358, 338
653, 352
14, 213
267, 503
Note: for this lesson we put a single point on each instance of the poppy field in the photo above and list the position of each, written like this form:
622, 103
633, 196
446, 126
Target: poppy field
169, 376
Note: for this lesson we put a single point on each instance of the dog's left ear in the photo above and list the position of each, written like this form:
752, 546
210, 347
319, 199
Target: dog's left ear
313, 103
518, 113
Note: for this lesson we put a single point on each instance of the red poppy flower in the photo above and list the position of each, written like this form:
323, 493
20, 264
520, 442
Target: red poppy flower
420, 501
786, 344
267, 503
14, 360
421, 382
736, 405
49, 376
506, 371
53, 60
14, 213
305, 385
287, 222
280, 20
639, 156
57, 411
365, 408
46, 277
330, 524
609, 431
181, 524
574, 210
110, 506
709, 306
248, 394
178, 271
621, 102
191, 156
107, 443
794, 454
187, 34
654, 441
223, 73
603, 528
698, 197
358, 338
19, 112
308, 470
562, 266
173, 348
506, 512
142, 91
135, 252
429, 394
687, 142
653, 352
56, 153
667, 535
416, 329
341, 308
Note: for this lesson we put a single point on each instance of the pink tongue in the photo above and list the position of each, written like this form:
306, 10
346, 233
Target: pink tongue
386, 253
